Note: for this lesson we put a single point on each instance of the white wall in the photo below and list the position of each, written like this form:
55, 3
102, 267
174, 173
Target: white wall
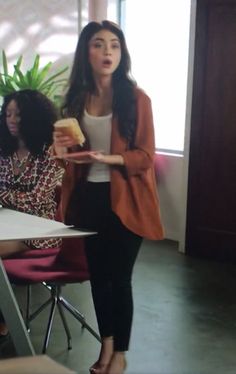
169, 179
49, 28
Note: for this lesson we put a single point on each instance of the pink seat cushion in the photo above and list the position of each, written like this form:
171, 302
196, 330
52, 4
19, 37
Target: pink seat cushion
33, 253
72, 253
65, 265
48, 269
59, 265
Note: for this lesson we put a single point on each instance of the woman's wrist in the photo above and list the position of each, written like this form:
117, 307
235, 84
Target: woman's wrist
108, 159
113, 159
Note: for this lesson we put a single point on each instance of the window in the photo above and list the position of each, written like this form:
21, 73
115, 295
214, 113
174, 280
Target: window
113, 10
157, 34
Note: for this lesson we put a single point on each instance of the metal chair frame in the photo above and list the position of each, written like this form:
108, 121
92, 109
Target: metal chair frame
57, 301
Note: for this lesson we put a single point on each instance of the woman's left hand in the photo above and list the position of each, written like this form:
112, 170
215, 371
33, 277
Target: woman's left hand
107, 159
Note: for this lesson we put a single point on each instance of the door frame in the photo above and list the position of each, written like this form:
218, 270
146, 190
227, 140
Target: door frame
188, 115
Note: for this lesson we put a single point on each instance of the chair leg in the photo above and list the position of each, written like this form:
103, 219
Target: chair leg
40, 309
28, 301
63, 318
78, 316
50, 321
56, 300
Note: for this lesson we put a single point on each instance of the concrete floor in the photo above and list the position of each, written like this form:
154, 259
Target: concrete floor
184, 318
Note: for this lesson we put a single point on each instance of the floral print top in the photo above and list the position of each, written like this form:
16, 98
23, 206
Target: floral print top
32, 189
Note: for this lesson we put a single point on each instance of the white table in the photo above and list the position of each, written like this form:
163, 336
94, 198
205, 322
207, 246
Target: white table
19, 226
40, 364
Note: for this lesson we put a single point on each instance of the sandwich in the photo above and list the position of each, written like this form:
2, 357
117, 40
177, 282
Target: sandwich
70, 127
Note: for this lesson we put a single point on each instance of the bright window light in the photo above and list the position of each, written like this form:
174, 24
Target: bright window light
158, 41
112, 8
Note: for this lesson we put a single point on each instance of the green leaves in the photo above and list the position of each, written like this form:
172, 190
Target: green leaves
35, 78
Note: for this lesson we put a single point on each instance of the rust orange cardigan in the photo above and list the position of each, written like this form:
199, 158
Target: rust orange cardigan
134, 196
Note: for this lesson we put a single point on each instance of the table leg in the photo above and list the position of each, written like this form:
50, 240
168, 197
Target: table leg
13, 317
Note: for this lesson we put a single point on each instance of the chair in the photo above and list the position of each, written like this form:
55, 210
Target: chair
53, 268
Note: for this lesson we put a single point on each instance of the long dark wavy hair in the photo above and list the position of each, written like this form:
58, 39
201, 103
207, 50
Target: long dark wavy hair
81, 81
37, 116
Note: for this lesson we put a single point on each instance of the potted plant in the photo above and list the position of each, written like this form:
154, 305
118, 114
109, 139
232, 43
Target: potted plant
35, 78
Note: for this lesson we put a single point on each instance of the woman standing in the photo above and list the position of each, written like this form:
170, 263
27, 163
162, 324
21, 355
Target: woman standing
115, 186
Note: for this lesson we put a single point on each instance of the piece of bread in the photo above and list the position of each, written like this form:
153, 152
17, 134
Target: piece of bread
70, 127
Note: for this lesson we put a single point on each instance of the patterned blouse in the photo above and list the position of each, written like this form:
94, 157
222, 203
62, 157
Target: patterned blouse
32, 189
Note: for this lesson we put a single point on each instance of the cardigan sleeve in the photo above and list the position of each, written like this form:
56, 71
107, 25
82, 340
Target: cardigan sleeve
141, 157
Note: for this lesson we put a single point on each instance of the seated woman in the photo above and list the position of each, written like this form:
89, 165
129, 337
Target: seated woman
29, 174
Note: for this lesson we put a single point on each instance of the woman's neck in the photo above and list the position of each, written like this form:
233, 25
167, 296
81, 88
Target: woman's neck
22, 150
103, 85
100, 103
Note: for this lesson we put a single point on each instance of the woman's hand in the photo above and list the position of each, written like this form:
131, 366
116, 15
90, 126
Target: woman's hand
107, 159
61, 143
60, 140
84, 157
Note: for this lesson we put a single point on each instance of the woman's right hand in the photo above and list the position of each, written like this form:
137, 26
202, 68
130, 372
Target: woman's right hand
62, 141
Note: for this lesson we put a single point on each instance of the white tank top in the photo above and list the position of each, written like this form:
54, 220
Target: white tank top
98, 130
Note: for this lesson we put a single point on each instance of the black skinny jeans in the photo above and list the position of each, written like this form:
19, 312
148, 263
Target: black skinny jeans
111, 255
2, 320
